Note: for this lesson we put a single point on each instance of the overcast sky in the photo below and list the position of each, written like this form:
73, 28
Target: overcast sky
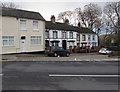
53, 7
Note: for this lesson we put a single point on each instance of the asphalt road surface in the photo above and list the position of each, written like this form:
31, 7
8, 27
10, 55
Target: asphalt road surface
73, 75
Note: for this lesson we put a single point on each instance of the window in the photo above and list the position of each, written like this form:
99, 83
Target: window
89, 37
71, 34
55, 34
47, 34
56, 44
8, 40
71, 43
64, 34
78, 37
23, 25
83, 37
35, 25
93, 38
35, 40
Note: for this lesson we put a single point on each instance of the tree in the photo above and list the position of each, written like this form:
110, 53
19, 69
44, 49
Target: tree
112, 12
8, 5
65, 15
92, 13
77, 16
87, 17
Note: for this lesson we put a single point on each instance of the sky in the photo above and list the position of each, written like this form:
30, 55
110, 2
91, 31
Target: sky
53, 7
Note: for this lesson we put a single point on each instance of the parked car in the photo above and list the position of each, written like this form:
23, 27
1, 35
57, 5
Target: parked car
57, 51
104, 51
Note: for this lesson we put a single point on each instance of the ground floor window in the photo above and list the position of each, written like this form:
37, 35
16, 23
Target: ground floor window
71, 43
8, 40
35, 40
93, 45
55, 44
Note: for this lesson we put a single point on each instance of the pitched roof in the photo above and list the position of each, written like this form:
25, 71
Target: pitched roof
59, 26
20, 13
66, 27
86, 30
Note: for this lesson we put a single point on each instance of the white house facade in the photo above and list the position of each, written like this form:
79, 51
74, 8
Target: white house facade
21, 31
65, 35
59, 34
87, 38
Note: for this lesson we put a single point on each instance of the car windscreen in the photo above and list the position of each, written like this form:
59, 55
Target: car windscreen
103, 49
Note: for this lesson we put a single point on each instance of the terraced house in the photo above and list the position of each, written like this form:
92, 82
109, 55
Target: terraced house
60, 34
21, 31
66, 36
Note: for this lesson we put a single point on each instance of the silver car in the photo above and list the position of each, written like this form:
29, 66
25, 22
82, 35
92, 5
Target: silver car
104, 51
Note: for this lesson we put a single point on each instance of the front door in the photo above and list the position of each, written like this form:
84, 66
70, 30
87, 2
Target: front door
23, 44
64, 44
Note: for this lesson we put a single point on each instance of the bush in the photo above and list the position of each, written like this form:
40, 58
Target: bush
115, 53
114, 48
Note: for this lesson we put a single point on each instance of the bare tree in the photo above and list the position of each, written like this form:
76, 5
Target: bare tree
77, 16
65, 15
92, 13
88, 17
8, 5
112, 11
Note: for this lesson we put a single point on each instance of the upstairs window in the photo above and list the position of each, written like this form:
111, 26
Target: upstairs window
23, 25
35, 25
89, 37
71, 34
83, 37
55, 34
47, 34
78, 37
93, 38
64, 34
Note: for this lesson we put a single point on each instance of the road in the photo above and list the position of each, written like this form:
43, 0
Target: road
60, 75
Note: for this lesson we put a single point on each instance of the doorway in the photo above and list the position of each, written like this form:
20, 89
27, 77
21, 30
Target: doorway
23, 44
64, 44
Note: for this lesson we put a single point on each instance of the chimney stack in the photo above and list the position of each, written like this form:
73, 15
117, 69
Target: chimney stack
53, 19
66, 21
79, 25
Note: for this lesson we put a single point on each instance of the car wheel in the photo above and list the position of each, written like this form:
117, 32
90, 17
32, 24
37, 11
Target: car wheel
55, 54
67, 54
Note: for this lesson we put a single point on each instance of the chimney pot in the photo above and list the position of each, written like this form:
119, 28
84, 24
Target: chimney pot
53, 19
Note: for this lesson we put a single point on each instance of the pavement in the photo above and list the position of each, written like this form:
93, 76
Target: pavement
72, 57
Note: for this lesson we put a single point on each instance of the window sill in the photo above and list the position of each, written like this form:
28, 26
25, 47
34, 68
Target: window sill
8, 46
23, 30
36, 30
36, 45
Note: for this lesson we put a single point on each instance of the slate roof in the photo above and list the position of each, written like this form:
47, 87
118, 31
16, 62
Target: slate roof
20, 13
59, 26
66, 27
86, 30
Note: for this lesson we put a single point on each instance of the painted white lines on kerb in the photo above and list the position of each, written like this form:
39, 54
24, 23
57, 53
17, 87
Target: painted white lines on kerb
71, 75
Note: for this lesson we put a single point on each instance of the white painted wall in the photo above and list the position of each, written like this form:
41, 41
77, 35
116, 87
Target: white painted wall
91, 41
60, 38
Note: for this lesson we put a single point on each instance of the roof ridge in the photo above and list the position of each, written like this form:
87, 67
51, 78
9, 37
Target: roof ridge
19, 13
19, 9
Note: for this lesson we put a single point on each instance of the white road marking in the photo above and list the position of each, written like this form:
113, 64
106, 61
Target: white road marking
67, 75
1, 74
